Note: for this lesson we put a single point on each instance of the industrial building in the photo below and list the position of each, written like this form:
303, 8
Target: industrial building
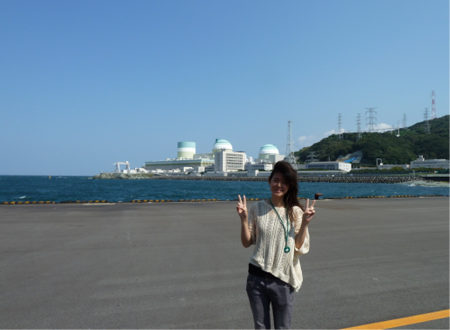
341, 166
259, 167
186, 150
430, 163
269, 154
221, 159
219, 145
172, 164
188, 159
229, 161
382, 166
185, 158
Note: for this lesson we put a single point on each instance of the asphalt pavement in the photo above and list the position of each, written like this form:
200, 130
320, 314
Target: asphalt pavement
181, 265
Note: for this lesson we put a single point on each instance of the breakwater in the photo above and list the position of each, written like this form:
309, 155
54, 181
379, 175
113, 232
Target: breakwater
360, 179
109, 176
329, 179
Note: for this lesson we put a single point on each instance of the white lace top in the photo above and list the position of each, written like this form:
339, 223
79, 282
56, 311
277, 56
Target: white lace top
269, 238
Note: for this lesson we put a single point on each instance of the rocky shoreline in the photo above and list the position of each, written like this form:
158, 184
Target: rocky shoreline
335, 179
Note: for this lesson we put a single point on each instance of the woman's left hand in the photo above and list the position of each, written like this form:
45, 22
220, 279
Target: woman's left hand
309, 212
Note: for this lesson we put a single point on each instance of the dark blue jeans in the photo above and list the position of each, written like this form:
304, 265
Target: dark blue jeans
262, 292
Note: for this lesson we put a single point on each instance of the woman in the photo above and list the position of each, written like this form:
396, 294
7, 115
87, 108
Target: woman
278, 227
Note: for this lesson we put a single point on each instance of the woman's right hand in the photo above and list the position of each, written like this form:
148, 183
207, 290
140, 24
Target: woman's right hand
242, 208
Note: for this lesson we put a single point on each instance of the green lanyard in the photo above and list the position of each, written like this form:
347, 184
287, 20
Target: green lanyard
286, 231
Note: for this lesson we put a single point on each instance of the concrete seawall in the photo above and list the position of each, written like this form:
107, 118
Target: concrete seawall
335, 179
359, 179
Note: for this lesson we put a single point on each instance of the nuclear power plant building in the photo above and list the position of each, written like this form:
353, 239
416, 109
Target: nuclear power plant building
222, 158
186, 158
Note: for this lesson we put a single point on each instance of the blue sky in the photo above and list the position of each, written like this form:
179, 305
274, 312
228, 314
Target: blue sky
85, 84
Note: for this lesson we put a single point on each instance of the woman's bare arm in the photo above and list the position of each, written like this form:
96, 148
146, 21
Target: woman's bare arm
246, 237
308, 214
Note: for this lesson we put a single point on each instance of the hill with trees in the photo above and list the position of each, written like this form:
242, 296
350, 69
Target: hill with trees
413, 141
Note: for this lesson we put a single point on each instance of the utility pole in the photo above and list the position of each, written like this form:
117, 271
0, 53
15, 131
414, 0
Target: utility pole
372, 119
290, 158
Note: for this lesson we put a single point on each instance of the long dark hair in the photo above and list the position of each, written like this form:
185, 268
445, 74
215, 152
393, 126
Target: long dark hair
290, 175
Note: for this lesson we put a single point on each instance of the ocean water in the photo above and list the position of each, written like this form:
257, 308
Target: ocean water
73, 188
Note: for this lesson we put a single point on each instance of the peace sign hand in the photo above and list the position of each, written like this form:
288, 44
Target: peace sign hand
242, 208
309, 212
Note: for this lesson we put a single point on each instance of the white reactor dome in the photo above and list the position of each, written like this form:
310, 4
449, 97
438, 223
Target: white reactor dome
221, 144
267, 150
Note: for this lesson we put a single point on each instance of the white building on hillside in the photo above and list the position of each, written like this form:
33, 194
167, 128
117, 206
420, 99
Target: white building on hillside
382, 166
347, 167
391, 166
430, 163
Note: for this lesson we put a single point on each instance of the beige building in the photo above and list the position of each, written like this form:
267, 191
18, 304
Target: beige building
228, 161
